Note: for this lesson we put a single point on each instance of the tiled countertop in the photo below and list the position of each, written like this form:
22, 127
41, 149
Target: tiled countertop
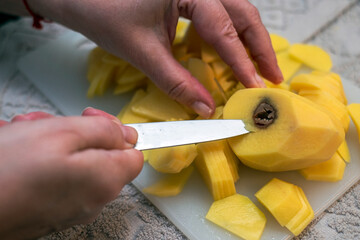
336, 28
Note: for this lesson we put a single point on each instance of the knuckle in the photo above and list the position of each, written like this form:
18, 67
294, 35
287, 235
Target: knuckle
102, 124
253, 15
253, 12
229, 30
177, 91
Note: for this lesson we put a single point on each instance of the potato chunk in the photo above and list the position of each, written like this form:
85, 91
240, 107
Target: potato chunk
239, 215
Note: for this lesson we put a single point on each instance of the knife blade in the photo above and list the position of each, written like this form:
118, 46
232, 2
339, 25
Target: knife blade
174, 133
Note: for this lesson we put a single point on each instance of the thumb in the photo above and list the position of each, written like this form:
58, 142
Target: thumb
169, 75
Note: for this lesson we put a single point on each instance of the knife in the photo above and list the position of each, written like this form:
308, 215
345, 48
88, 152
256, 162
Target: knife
174, 133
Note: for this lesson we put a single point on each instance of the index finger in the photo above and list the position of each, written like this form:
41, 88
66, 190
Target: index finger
248, 24
81, 133
214, 25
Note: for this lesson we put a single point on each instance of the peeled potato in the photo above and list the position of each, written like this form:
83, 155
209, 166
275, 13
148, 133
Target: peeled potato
331, 170
312, 56
239, 215
171, 184
279, 43
288, 132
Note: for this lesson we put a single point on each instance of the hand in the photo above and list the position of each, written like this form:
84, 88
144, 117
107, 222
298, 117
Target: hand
142, 32
59, 171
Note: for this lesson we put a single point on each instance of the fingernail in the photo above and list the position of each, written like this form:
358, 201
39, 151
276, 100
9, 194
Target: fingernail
130, 134
202, 109
86, 109
259, 81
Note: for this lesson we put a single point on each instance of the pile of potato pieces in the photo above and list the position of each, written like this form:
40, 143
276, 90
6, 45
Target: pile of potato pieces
215, 160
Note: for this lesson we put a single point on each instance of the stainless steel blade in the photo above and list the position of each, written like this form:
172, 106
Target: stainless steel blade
174, 133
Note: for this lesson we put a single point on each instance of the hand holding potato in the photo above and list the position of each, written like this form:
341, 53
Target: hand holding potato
142, 32
60, 171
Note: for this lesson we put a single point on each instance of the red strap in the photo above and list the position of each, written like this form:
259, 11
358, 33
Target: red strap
36, 18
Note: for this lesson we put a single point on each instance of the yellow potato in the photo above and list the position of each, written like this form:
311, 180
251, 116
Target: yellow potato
279, 43
287, 65
354, 111
331, 170
172, 159
160, 107
288, 131
239, 215
171, 184
344, 152
312, 56
303, 217
213, 166
281, 199
330, 103
126, 115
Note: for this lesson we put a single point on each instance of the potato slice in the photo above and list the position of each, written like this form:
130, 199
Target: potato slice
171, 184
281, 199
331, 170
239, 215
130, 75
220, 68
287, 203
354, 111
315, 81
172, 159
288, 66
160, 107
94, 60
101, 79
312, 56
204, 73
208, 53
279, 43
181, 29
179, 51
303, 217
214, 168
126, 115
330, 103
344, 152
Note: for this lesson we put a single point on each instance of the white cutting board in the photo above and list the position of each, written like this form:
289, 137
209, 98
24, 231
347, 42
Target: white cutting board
59, 69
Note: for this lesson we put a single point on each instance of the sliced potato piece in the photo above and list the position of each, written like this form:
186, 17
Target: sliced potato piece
288, 66
344, 152
279, 43
181, 29
101, 80
312, 56
330, 103
172, 159
354, 111
303, 217
160, 107
281, 199
314, 81
239, 215
214, 168
126, 115
208, 53
171, 184
331, 170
